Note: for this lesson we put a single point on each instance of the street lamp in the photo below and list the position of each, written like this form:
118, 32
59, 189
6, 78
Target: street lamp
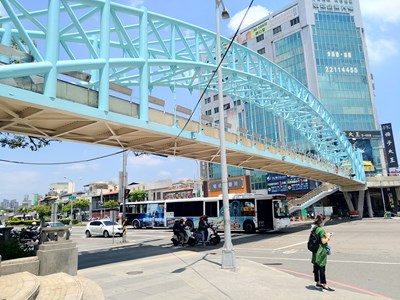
72, 184
228, 254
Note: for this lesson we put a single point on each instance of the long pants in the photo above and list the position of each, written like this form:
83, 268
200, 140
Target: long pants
319, 274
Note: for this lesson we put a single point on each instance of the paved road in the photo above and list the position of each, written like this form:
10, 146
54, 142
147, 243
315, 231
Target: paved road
366, 254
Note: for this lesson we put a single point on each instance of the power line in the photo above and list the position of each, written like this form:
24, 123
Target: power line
61, 163
219, 65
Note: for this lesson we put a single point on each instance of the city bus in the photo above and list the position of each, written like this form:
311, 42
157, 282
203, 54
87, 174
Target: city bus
248, 212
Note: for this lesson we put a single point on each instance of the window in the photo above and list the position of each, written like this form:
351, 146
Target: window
237, 102
260, 38
208, 112
216, 110
261, 51
276, 30
294, 21
215, 97
207, 100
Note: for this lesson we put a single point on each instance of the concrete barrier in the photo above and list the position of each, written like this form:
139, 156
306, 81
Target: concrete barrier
29, 264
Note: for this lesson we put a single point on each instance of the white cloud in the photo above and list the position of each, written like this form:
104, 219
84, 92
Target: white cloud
255, 13
386, 11
164, 174
76, 167
12, 181
136, 3
144, 161
380, 50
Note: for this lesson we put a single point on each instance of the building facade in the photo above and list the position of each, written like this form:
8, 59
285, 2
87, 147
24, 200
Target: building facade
322, 44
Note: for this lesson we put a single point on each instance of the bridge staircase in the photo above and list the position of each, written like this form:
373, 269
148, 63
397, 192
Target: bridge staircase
59, 286
312, 197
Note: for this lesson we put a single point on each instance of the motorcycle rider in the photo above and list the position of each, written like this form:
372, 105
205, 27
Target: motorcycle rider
203, 227
179, 230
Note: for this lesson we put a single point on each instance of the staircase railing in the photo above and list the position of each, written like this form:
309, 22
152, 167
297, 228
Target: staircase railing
315, 192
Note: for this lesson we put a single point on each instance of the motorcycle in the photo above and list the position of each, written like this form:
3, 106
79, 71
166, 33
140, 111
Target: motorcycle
213, 237
188, 238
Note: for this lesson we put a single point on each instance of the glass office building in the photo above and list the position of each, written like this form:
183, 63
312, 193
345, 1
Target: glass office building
322, 44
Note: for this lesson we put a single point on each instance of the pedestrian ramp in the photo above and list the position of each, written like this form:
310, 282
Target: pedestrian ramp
58, 286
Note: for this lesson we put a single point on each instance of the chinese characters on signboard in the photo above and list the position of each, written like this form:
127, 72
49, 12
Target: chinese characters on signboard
390, 148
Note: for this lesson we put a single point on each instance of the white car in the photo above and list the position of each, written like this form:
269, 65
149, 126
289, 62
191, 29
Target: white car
103, 227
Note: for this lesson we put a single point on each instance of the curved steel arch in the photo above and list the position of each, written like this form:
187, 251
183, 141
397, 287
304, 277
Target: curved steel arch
134, 47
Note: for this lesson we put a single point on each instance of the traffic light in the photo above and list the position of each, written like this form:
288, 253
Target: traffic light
127, 191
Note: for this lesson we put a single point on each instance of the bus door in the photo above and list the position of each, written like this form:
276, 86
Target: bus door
265, 214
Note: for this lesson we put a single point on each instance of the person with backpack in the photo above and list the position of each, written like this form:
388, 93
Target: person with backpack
318, 243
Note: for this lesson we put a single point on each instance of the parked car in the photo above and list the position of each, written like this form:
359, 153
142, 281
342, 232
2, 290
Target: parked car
56, 224
103, 227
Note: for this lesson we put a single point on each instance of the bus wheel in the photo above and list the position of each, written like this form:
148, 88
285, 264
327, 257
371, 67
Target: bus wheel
190, 225
136, 224
249, 227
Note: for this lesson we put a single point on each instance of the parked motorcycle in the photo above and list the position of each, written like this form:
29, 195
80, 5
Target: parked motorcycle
188, 238
213, 237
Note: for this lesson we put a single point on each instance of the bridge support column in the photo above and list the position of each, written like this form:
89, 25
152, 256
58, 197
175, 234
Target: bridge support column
360, 204
369, 205
395, 193
347, 197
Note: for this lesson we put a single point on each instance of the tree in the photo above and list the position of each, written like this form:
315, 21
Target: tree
14, 141
42, 211
137, 195
111, 204
23, 210
82, 204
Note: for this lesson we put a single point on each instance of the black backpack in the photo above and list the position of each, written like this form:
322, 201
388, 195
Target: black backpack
313, 241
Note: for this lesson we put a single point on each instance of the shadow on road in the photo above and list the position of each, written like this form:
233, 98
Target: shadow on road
128, 251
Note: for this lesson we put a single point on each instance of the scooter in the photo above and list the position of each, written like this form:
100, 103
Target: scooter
189, 239
213, 237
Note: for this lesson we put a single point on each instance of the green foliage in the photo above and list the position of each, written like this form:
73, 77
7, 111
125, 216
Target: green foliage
137, 195
66, 208
43, 210
15, 221
14, 141
111, 204
12, 249
83, 204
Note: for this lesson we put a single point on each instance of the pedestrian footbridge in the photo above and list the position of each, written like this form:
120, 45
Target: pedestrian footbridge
90, 72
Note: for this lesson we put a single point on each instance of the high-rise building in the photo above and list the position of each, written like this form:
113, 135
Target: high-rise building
322, 44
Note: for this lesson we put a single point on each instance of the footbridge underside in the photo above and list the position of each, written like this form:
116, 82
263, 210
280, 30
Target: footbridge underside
22, 111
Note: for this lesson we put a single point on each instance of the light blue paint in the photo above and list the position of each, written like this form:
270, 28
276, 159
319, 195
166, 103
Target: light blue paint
152, 50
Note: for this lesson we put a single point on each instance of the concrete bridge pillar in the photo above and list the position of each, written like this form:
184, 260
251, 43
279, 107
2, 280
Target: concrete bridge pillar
347, 197
360, 203
369, 205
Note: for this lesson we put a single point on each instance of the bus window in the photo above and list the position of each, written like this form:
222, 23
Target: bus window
185, 208
211, 209
248, 208
280, 210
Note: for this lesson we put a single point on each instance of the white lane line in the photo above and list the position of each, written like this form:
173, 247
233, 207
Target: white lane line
275, 249
330, 260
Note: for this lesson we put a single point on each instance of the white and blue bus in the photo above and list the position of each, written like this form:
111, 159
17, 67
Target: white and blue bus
248, 212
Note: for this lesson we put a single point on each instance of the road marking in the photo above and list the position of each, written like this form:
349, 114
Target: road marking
335, 282
330, 260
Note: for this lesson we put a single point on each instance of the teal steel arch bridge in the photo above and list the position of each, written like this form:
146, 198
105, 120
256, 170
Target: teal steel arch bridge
71, 72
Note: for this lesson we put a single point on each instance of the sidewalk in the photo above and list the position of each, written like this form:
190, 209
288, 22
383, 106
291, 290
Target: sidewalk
193, 275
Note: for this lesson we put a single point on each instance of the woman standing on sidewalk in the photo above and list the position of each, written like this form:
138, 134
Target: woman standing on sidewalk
319, 259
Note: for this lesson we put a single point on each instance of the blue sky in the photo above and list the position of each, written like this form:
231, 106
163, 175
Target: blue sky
382, 27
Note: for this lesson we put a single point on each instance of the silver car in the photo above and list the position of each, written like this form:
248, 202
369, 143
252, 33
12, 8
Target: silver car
105, 228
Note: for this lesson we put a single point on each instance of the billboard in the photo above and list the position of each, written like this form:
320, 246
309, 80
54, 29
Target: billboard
390, 148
